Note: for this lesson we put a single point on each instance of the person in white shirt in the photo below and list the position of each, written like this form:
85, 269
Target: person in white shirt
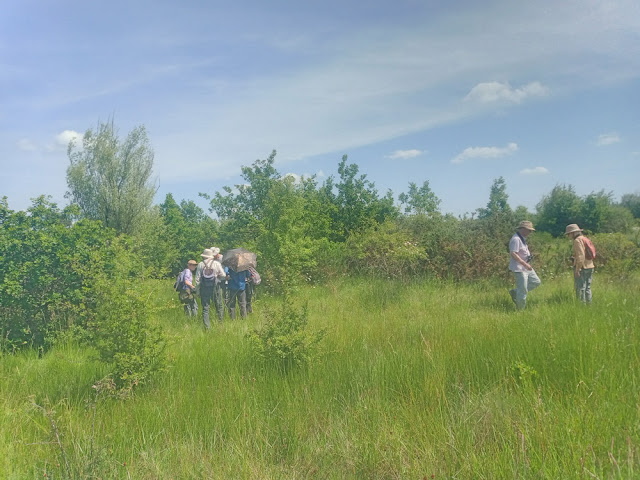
520, 265
208, 274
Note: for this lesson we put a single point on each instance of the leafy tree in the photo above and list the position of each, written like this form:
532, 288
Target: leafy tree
187, 230
558, 209
498, 201
357, 205
631, 201
110, 179
420, 201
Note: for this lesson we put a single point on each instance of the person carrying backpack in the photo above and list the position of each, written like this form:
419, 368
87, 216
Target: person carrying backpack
583, 254
520, 264
186, 289
208, 275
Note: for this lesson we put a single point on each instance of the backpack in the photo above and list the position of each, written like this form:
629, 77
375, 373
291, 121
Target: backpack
208, 274
589, 248
255, 276
179, 285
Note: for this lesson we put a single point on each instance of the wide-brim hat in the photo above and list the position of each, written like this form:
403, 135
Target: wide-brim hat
214, 251
207, 253
572, 228
526, 224
192, 262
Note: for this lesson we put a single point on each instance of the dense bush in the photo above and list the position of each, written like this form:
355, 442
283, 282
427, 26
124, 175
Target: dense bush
57, 276
285, 340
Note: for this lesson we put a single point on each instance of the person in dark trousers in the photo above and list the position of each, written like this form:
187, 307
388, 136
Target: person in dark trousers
207, 274
237, 292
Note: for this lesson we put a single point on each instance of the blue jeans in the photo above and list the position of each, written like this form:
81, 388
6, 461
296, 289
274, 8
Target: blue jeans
583, 285
525, 282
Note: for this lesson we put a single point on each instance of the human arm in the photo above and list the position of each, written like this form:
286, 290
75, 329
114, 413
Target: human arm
517, 258
188, 279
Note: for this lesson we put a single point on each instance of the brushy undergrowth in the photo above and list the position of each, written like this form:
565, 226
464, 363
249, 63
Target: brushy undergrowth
416, 380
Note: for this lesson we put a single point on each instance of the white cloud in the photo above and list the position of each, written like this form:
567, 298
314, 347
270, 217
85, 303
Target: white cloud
295, 176
61, 140
607, 139
405, 154
490, 92
67, 136
534, 171
27, 145
485, 152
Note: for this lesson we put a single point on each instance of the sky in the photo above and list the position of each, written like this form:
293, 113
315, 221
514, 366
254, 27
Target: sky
457, 93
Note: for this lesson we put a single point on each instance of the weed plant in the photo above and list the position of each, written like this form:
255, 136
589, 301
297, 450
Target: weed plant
416, 380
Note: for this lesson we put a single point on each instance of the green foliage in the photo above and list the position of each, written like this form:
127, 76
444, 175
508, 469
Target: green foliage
109, 179
420, 201
185, 232
558, 209
285, 339
56, 276
498, 201
631, 201
47, 269
616, 254
122, 333
357, 205
385, 251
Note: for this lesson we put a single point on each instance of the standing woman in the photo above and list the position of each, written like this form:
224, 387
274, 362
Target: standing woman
582, 264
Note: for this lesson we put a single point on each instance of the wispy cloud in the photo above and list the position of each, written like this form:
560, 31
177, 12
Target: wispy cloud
405, 154
607, 139
485, 152
490, 92
534, 171
27, 145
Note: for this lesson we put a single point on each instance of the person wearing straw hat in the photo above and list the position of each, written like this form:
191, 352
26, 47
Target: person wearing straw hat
520, 265
582, 266
207, 275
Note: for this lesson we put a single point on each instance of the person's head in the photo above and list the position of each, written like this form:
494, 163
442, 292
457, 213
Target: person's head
215, 251
192, 264
525, 227
207, 254
572, 231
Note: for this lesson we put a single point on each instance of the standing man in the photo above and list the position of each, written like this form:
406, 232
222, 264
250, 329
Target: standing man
207, 273
187, 296
582, 265
520, 265
237, 292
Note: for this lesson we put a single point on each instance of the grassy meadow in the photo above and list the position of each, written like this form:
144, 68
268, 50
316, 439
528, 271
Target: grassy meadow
414, 381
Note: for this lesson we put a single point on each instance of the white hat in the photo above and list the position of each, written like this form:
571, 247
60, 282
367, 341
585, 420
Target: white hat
207, 253
214, 251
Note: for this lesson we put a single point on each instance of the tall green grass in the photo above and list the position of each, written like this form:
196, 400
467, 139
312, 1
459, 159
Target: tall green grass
415, 380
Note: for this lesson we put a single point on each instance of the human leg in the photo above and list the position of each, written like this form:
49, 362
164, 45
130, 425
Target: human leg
521, 289
242, 300
250, 288
583, 285
206, 294
217, 301
231, 305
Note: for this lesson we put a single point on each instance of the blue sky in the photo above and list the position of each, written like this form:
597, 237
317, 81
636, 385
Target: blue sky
454, 92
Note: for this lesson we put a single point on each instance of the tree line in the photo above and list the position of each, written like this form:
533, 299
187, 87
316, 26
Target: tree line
79, 267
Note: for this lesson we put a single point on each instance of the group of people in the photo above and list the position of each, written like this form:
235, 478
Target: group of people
525, 275
216, 285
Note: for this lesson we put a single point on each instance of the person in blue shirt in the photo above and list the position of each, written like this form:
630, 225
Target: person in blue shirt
237, 291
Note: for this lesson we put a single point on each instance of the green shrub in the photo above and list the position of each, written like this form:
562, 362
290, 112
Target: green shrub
285, 340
